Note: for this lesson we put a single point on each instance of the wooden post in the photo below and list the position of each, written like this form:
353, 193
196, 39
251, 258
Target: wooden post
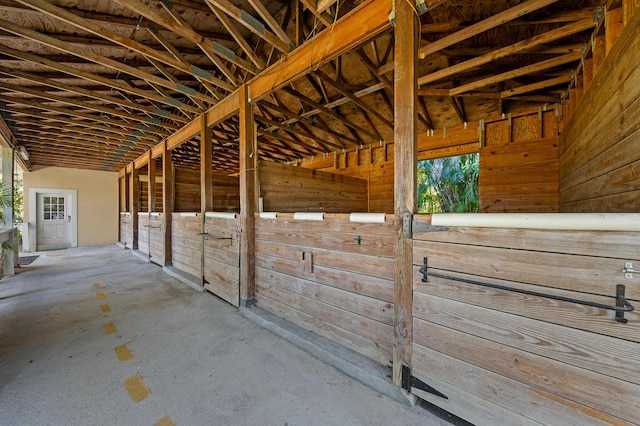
248, 196
135, 203
206, 171
168, 196
405, 166
152, 184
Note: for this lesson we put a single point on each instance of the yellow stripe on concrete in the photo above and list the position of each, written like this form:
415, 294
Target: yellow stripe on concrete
165, 421
105, 308
101, 295
109, 328
123, 352
136, 388
96, 285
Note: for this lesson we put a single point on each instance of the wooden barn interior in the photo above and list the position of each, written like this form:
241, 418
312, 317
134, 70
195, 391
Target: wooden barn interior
267, 152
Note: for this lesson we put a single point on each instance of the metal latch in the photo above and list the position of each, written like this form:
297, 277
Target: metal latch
628, 270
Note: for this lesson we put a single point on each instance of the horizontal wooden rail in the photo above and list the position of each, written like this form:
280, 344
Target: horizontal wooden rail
622, 304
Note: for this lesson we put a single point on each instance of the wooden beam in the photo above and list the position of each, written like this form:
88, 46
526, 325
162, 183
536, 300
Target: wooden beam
536, 86
103, 31
135, 203
168, 200
249, 194
325, 18
207, 50
151, 167
8, 139
271, 22
104, 81
123, 102
366, 108
482, 26
102, 60
238, 37
87, 105
206, 171
405, 170
530, 69
520, 46
251, 23
350, 31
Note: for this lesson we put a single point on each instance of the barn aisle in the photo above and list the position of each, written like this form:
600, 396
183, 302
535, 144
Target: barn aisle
96, 336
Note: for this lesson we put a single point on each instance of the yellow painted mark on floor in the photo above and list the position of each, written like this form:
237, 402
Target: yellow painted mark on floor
123, 352
136, 388
101, 295
109, 328
165, 421
96, 285
105, 308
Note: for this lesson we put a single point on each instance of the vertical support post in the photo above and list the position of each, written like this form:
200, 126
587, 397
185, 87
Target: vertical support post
7, 208
168, 197
127, 190
152, 183
405, 170
206, 164
135, 203
248, 196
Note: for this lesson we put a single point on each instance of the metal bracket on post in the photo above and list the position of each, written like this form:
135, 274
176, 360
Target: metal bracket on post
621, 302
407, 231
409, 382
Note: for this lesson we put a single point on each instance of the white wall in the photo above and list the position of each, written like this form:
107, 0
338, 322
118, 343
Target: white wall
97, 200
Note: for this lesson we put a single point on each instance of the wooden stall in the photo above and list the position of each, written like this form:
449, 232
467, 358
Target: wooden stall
222, 255
143, 233
156, 238
508, 323
331, 276
126, 229
187, 243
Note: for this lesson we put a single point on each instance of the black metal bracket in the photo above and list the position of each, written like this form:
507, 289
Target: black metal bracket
409, 382
358, 239
622, 304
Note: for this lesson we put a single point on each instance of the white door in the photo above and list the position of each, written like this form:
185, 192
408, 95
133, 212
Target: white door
54, 220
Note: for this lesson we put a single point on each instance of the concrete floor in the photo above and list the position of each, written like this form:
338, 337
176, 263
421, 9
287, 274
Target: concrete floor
94, 336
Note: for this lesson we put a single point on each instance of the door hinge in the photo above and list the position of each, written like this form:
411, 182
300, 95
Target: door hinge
409, 382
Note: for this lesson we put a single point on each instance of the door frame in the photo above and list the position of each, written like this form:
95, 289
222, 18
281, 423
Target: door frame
30, 241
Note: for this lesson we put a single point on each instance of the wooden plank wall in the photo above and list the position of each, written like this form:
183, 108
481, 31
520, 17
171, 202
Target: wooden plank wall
498, 136
285, 188
143, 232
332, 277
519, 177
599, 155
156, 238
533, 360
226, 191
187, 190
186, 243
222, 258
126, 229
144, 195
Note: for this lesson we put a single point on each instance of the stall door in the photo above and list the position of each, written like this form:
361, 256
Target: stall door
156, 238
54, 221
143, 233
222, 256
519, 326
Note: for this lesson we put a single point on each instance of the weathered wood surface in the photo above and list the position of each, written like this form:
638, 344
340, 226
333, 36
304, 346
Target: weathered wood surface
544, 361
598, 149
226, 191
156, 238
314, 190
375, 163
187, 243
126, 229
318, 276
222, 258
143, 232
519, 177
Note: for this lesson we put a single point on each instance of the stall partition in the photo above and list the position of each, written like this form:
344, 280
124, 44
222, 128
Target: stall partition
331, 276
222, 255
187, 243
126, 229
519, 319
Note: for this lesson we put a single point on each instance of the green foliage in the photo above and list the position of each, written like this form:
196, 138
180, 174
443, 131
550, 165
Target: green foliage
448, 185
18, 201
